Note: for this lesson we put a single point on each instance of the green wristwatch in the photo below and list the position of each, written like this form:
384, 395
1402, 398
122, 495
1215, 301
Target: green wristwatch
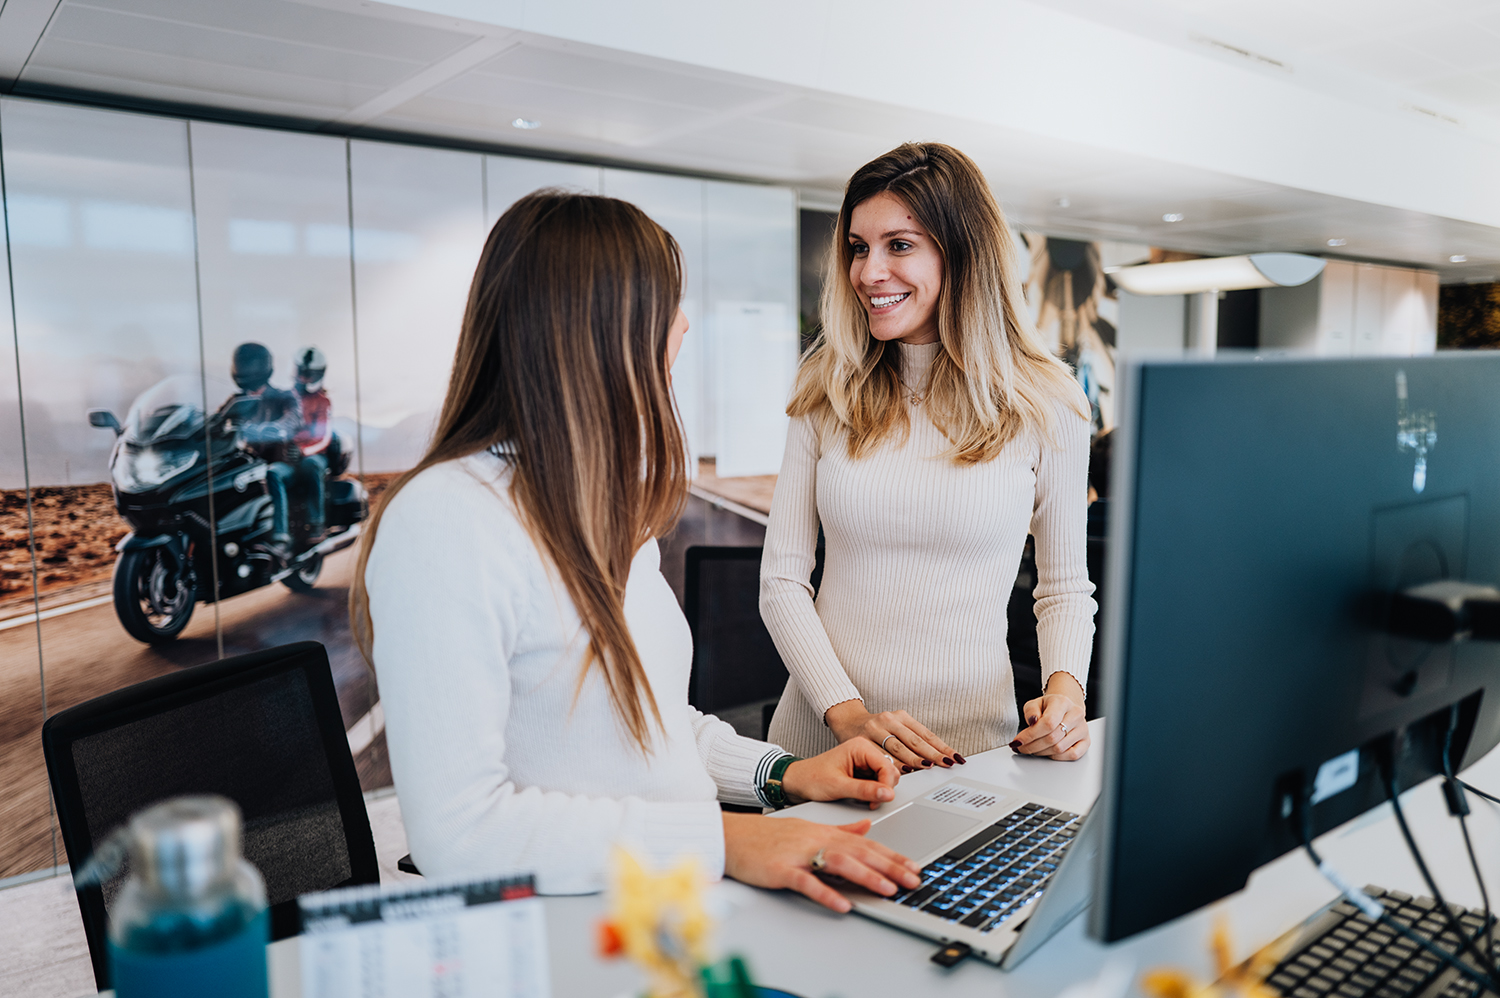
773, 791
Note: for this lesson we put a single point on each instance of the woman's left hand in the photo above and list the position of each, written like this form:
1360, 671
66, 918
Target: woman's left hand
831, 776
1056, 725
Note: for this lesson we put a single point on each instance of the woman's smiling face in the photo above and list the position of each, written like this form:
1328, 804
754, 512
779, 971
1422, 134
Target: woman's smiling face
897, 270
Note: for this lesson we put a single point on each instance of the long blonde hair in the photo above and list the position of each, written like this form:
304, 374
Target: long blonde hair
562, 358
993, 377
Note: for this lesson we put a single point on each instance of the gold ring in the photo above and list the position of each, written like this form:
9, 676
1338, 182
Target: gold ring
818, 863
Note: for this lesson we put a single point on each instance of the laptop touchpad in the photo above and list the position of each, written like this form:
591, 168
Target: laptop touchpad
917, 831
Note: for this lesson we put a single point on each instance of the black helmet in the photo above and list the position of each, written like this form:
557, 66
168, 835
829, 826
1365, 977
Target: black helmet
251, 367
311, 364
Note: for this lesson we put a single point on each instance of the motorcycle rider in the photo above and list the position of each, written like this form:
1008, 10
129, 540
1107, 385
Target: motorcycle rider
316, 439
268, 427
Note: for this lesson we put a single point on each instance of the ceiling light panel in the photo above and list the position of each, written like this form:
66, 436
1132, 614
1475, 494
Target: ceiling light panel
613, 117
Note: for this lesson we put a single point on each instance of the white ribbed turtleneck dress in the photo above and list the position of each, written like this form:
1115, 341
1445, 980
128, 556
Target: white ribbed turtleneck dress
921, 557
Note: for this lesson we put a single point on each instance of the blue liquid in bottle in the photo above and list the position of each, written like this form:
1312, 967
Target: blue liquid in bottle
180, 954
185, 955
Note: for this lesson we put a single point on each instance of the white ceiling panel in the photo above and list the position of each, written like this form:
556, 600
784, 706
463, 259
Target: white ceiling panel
595, 75
148, 38
99, 67
299, 24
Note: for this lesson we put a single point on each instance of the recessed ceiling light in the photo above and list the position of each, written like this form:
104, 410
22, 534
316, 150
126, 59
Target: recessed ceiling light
1458, 258
1172, 216
1062, 202
1338, 242
525, 123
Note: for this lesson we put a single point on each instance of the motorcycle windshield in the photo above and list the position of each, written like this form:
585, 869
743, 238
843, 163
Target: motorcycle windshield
170, 410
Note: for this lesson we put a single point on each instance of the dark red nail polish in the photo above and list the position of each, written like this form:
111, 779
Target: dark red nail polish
947, 761
960, 759
906, 769
927, 762
1015, 744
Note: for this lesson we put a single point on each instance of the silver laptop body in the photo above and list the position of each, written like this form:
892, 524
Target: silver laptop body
944, 818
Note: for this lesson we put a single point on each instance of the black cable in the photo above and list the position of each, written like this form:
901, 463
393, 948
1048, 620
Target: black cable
1465, 940
1460, 809
1489, 919
1376, 912
1477, 792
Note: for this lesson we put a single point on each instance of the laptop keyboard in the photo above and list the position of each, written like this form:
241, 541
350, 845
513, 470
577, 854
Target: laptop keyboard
983, 882
1348, 956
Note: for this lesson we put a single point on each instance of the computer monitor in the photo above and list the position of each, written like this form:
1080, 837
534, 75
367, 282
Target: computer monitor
1265, 511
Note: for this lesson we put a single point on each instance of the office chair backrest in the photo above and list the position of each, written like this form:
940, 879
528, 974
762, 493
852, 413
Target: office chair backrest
263, 729
1098, 549
734, 659
1025, 658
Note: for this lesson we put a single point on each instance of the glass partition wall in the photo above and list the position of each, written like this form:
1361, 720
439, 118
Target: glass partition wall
145, 249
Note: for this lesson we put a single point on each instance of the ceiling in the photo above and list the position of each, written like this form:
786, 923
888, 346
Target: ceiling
349, 66
1445, 50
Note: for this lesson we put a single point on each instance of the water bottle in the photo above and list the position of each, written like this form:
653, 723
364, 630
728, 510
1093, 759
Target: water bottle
191, 918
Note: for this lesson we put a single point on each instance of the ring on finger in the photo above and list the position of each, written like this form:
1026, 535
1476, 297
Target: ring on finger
1064, 728
884, 740
818, 863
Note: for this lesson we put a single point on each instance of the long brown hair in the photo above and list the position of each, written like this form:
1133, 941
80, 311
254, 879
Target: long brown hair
993, 377
562, 359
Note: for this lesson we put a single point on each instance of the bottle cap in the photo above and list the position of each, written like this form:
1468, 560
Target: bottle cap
185, 845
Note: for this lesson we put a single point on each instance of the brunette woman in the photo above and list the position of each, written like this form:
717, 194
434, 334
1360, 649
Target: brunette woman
931, 430
532, 661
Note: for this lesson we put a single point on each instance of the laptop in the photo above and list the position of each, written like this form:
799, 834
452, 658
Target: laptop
1001, 871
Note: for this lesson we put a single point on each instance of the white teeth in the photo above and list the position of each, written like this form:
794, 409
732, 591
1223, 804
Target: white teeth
880, 301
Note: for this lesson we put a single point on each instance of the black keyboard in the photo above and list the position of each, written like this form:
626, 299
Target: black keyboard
986, 880
1343, 954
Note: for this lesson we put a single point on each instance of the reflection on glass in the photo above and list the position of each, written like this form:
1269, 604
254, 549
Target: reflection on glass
274, 245
1416, 432
751, 318
418, 230
508, 179
106, 308
676, 204
27, 839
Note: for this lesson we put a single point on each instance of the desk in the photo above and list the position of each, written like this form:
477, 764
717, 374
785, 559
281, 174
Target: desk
794, 944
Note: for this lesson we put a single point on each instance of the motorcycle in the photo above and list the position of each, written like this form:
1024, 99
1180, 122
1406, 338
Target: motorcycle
190, 531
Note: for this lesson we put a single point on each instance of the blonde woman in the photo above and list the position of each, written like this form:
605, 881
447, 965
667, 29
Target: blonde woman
532, 661
930, 431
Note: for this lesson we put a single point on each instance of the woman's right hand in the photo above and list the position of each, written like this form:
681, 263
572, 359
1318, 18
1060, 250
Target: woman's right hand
778, 853
899, 735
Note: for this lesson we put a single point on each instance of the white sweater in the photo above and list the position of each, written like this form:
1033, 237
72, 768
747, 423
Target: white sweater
502, 760
921, 555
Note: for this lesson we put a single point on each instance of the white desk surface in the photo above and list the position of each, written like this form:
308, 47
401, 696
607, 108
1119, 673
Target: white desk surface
793, 944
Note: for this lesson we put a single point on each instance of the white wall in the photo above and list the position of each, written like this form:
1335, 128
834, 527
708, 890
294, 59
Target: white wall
751, 289
1151, 324
1354, 310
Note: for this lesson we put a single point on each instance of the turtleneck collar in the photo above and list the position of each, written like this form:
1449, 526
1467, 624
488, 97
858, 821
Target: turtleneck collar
916, 361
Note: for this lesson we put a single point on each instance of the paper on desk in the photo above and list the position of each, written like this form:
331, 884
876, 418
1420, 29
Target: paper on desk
444, 941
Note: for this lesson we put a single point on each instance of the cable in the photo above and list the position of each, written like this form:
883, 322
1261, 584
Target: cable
1465, 940
1460, 810
1376, 912
1476, 791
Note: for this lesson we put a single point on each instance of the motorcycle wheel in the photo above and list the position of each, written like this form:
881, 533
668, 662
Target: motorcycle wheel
152, 599
305, 576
